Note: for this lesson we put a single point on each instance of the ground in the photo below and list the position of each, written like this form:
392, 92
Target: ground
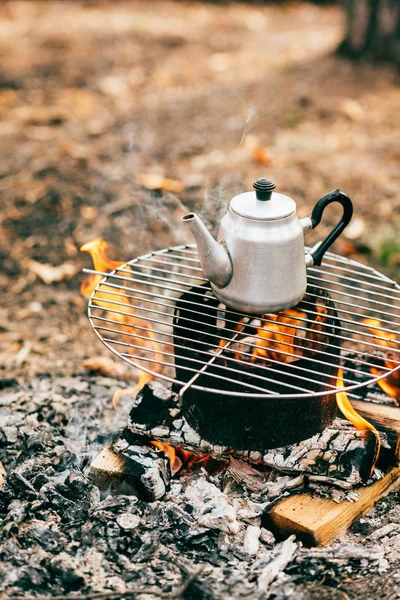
96, 96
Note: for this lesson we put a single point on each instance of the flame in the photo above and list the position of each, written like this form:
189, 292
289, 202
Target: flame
281, 337
170, 452
275, 339
97, 250
178, 457
388, 340
126, 322
352, 415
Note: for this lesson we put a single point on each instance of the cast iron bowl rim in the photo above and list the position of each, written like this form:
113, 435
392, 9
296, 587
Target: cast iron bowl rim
173, 380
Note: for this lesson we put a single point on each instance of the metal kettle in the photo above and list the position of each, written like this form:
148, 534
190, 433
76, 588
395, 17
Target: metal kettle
258, 263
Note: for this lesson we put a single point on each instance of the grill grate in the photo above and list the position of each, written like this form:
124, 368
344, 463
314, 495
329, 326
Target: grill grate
132, 312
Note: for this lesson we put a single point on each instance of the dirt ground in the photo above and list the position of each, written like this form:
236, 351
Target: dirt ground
96, 97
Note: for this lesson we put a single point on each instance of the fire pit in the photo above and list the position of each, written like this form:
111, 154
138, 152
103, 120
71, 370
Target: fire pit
251, 382
276, 353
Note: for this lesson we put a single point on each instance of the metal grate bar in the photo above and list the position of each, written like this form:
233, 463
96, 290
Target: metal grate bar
254, 336
156, 280
319, 270
180, 291
230, 358
296, 327
152, 294
349, 287
207, 363
241, 352
150, 279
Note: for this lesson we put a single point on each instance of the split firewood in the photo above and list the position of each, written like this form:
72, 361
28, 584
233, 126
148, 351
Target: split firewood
318, 521
131, 469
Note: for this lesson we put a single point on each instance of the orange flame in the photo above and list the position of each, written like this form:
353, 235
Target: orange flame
127, 322
170, 452
281, 337
352, 415
178, 457
388, 340
277, 338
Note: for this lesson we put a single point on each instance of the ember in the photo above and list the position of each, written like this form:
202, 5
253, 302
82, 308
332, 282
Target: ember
178, 457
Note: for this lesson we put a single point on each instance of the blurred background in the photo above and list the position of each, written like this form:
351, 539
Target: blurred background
118, 117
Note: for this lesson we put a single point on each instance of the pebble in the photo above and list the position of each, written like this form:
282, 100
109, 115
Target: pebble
128, 521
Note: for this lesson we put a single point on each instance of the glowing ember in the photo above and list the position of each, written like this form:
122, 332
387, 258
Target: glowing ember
388, 340
127, 321
178, 457
352, 415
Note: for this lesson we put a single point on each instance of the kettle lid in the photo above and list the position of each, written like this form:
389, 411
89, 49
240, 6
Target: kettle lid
263, 204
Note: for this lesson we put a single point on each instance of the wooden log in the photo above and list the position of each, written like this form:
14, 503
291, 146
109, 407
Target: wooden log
386, 419
318, 521
126, 468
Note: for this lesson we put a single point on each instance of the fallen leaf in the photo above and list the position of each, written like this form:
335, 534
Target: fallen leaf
152, 181
261, 156
104, 365
50, 274
355, 229
352, 109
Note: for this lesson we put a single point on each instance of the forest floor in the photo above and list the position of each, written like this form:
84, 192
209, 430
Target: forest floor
101, 102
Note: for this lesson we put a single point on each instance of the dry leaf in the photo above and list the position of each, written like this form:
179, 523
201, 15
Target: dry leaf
355, 229
104, 365
2, 474
352, 109
50, 274
261, 156
158, 182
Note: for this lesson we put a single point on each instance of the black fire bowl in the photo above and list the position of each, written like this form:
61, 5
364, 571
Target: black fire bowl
254, 423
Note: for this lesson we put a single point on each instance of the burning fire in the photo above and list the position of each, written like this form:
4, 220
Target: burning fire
388, 340
178, 457
278, 337
126, 322
352, 415
281, 337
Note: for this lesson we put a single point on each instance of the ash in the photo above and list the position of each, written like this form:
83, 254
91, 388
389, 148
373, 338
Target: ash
204, 539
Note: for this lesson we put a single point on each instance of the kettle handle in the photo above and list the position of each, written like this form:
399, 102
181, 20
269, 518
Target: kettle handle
316, 215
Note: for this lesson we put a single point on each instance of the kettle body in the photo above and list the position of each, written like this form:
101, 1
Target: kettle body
266, 277
258, 263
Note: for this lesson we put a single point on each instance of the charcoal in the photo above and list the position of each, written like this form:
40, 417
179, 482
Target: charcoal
21, 485
68, 571
153, 405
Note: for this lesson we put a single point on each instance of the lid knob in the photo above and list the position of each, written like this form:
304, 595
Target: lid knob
264, 188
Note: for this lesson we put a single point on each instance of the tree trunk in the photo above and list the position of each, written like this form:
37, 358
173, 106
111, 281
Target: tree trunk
373, 29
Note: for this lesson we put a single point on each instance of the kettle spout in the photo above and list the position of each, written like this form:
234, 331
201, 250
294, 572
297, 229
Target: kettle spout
214, 259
